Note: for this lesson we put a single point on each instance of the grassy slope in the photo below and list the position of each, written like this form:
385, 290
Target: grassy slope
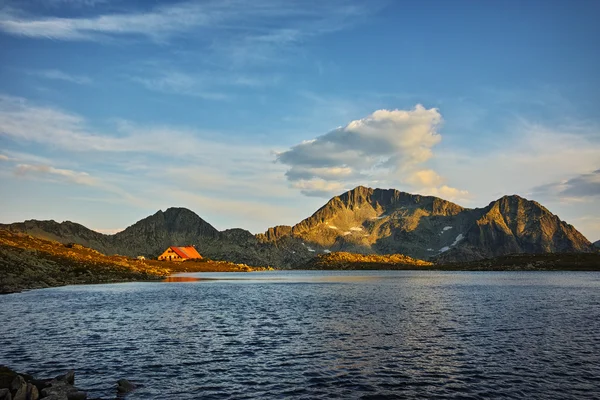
343, 260
516, 262
29, 263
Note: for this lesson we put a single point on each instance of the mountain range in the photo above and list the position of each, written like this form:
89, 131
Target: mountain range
362, 220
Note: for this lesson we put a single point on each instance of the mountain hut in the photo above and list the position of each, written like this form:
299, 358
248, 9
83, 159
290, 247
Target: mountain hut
174, 253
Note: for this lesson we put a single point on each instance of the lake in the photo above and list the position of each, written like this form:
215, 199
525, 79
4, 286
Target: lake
317, 334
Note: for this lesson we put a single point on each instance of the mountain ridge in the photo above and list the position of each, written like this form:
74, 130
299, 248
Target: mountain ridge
362, 220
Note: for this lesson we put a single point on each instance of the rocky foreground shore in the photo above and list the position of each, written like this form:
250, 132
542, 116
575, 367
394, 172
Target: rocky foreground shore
19, 386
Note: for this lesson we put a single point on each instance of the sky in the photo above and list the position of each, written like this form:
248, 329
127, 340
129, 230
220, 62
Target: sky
254, 114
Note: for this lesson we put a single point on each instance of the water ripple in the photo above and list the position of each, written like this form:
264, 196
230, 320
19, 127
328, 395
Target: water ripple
317, 335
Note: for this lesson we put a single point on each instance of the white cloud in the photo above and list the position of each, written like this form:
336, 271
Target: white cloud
386, 146
228, 34
577, 188
75, 3
206, 85
319, 188
23, 121
81, 178
328, 173
154, 24
180, 83
447, 193
395, 138
425, 178
267, 17
25, 158
63, 76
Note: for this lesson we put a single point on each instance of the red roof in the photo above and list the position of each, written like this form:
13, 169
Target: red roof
186, 252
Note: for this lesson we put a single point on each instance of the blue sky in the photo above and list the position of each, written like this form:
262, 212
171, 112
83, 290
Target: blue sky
253, 114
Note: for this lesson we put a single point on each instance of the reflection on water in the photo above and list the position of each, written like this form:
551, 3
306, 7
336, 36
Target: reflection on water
372, 334
176, 278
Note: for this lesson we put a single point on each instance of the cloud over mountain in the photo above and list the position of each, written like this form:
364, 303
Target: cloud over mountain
394, 144
583, 185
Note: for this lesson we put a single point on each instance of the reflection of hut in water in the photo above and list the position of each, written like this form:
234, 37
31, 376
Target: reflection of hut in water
175, 253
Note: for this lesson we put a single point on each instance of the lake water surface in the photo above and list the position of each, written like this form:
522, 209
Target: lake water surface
317, 334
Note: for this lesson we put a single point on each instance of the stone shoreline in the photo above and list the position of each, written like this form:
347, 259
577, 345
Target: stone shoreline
20, 386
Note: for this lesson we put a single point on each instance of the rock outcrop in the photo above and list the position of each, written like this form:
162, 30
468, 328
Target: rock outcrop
343, 260
19, 386
15, 386
124, 386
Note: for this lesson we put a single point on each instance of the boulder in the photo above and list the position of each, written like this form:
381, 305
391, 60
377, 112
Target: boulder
27, 392
58, 390
6, 377
32, 392
124, 386
18, 388
39, 384
5, 394
78, 395
69, 377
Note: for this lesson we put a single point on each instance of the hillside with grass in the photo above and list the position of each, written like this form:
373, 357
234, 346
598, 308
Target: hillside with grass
27, 262
343, 260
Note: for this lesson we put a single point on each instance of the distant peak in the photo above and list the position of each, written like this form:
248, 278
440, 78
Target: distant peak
359, 191
361, 188
177, 209
512, 196
515, 198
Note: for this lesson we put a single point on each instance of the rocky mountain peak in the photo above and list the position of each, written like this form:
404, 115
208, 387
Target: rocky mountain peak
275, 233
174, 220
513, 224
363, 203
514, 201
519, 214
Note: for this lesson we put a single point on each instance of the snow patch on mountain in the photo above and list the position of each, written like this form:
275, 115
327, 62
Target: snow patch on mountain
458, 239
380, 217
